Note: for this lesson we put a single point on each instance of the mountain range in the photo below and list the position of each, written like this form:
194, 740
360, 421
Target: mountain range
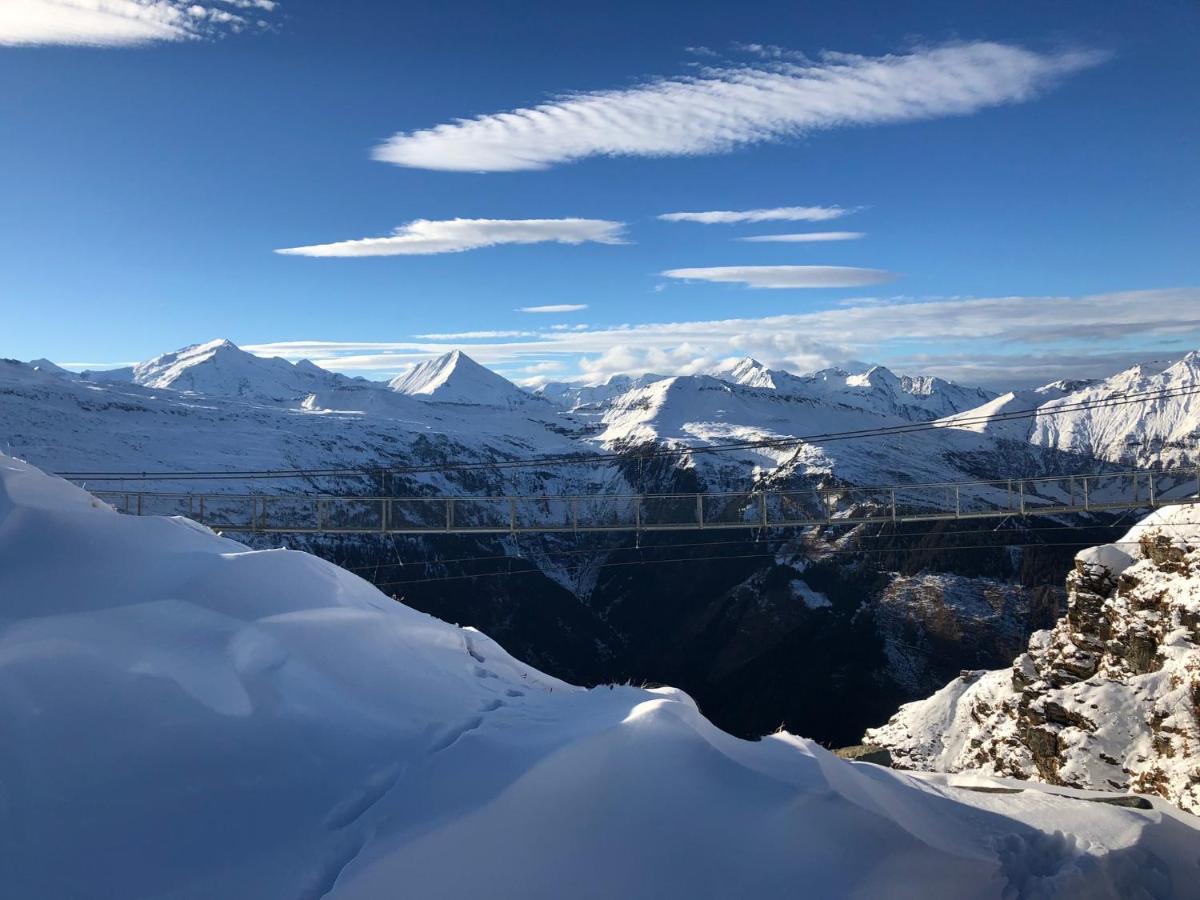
889, 613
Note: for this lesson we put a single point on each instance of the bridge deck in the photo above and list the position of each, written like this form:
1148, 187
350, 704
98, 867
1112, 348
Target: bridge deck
300, 513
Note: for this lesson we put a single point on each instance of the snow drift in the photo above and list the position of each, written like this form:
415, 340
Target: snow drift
186, 717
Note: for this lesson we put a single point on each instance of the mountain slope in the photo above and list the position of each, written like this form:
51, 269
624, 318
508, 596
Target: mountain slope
188, 718
1137, 433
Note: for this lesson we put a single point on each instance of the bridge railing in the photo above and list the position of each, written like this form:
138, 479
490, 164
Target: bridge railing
652, 512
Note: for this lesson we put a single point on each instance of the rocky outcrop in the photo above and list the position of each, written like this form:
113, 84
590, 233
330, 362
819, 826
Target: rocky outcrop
1109, 698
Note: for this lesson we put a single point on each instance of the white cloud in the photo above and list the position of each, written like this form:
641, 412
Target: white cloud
726, 107
115, 23
554, 308
776, 214
804, 237
423, 236
784, 276
975, 341
476, 335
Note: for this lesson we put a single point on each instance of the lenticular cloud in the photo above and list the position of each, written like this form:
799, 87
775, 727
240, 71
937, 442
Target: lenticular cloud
728, 107
424, 236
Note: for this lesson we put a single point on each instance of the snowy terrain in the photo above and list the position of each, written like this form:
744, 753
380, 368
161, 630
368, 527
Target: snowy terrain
1142, 434
186, 717
281, 414
1109, 698
898, 626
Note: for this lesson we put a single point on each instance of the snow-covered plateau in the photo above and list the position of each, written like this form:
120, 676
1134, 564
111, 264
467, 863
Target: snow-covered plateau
186, 717
1108, 699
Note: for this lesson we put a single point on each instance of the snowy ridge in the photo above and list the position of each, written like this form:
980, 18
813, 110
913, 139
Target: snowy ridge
187, 717
869, 388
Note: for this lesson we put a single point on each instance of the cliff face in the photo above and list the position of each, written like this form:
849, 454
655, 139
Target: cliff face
1109, 698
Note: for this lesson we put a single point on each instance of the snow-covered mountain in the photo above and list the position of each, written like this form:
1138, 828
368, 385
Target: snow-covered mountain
456, 378
222, 369
1108, 699
215, 407
873, 389
893, 636
186, 717
1163, 430
584, 399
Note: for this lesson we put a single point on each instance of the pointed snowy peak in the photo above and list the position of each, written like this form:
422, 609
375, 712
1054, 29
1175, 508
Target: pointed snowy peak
221, 368
750, 372
456, 378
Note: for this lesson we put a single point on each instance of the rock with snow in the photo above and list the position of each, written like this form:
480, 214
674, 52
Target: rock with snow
1108, 699
185, 717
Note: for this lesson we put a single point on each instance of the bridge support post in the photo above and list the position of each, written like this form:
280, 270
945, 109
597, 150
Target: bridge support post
762, 509
957, 503
1021, 495
1087, 503
449, 513
699, 510
893, 506
512, 516
1150, 478
139, 496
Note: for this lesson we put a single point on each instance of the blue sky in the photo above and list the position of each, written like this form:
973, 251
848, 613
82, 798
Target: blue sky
1024, 173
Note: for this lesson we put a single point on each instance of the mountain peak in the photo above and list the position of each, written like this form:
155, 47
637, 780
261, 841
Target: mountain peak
222, 368
456, 378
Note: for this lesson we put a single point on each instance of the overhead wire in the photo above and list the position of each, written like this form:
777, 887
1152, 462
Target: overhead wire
746, 540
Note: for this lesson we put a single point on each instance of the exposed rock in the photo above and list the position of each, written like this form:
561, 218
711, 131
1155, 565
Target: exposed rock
866, 753
1107, 699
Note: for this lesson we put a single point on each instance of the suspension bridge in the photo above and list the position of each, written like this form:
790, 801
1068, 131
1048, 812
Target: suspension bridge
758, 508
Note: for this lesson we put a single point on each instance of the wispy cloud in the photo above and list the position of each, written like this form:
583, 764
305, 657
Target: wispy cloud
804, 237
975, 341
775, 214
784, 276
475, 335
116, 23
726, 107
554, 308
424, 237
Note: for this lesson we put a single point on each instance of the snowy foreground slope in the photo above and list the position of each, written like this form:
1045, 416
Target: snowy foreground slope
1109, 698
186, 717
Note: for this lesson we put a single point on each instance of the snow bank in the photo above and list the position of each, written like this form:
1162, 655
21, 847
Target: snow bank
186, 717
